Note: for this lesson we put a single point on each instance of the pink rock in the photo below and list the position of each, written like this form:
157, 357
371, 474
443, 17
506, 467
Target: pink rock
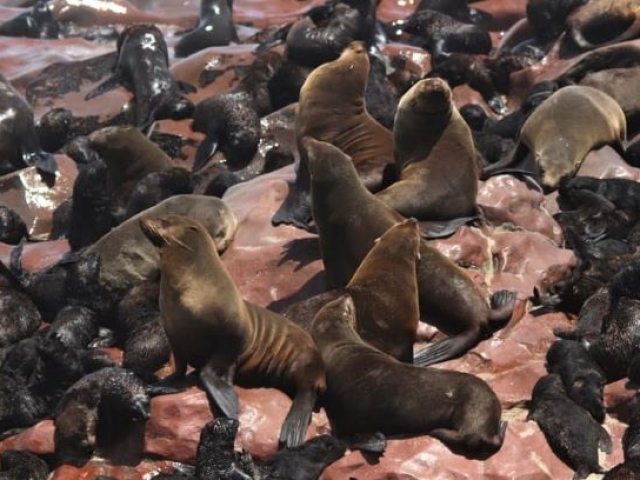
37, 439
26, 193
607, 163
95, 467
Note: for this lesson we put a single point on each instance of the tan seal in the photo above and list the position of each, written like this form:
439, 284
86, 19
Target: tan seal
384, 289
560, 133
371, 393
349, 219
212, 328
434, 155
332, 109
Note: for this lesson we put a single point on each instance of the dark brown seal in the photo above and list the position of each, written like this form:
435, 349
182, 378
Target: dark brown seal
604, 22
563, 129
349, 219
365, 396
384, 289
212, 328
434, 156
332, 109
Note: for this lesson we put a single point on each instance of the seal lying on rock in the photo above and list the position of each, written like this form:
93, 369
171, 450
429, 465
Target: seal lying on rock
212, 328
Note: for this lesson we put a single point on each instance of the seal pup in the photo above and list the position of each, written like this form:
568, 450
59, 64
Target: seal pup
435, 158
582, 378
458, 409
19, 145
12, 227
560, 133
349, 219
231, 125
569, 429
143, 67
19, 317
332, 109
215, 28
38, 22
384, 290
212, 328
21, 465
111, 392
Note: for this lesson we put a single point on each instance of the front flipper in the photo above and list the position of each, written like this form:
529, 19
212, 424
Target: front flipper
447, 349
297, 421
208, 147
295, 210
220, 390
106, 86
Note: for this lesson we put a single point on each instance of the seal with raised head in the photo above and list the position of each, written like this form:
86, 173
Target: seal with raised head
560, 133
332, 109
434, 156
212, 328
143, 67
349, 219
215, 28
457, 408
384, 289
19, 144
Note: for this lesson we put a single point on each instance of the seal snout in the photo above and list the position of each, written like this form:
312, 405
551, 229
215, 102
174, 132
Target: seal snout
140, 408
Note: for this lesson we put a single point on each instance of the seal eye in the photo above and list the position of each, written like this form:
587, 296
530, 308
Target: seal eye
194, 228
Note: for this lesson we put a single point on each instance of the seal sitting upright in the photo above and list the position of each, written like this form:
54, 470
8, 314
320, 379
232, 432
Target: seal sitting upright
434, 155
366, 392
212, 328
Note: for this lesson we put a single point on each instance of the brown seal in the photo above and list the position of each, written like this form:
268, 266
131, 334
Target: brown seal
384, 289
332, 109
369, 392
212, 328
604, 22
434, 155
563, 130
349, 219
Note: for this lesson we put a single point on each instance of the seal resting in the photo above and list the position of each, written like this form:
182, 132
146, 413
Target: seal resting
363, 397
435, 157
560, 133
143, 67
332, 109
215, 28
384, 290
212, 328
349, 219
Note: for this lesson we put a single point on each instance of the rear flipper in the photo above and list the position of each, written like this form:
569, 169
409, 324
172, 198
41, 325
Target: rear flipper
444, 228
448, 348
220, 390
521, 161
297, 421
206, 150
109, 84
295, 210
471, 445
502, 304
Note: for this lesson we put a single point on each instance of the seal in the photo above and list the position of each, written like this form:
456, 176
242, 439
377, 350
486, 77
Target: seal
441, 34
212, 328
349, 219
231, 125
111, 392
559, 134
631, 448
75, 326
19, 317
458, 409
38, 22
16, 464
332, 109
129, 156
569, 429
384, 284
12, 227
604, 22
547, 17
215, 28
435, 157
90, 215
19, 145
143, 67
582, 378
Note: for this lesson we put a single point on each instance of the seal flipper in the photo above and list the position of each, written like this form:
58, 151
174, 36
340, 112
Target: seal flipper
502, 304
605, 444
166, 385
443, 228
186, 87
297, 421
447, 349
43, 161
206, 150
109, 84
220, 390
510, 164
367, 442
295, 210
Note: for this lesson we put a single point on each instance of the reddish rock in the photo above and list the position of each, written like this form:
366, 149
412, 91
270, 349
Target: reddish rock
144, 470
36, 256
37, 439
26, 193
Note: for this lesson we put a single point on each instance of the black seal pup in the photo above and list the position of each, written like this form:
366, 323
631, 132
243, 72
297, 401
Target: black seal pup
143, 67
573, 435
215, 28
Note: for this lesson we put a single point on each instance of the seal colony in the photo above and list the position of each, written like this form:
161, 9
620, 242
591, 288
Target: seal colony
389, 157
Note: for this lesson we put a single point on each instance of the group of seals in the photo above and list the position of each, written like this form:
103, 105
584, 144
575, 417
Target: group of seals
224, 337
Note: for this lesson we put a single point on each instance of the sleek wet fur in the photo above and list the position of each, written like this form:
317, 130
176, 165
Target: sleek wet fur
215, 28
